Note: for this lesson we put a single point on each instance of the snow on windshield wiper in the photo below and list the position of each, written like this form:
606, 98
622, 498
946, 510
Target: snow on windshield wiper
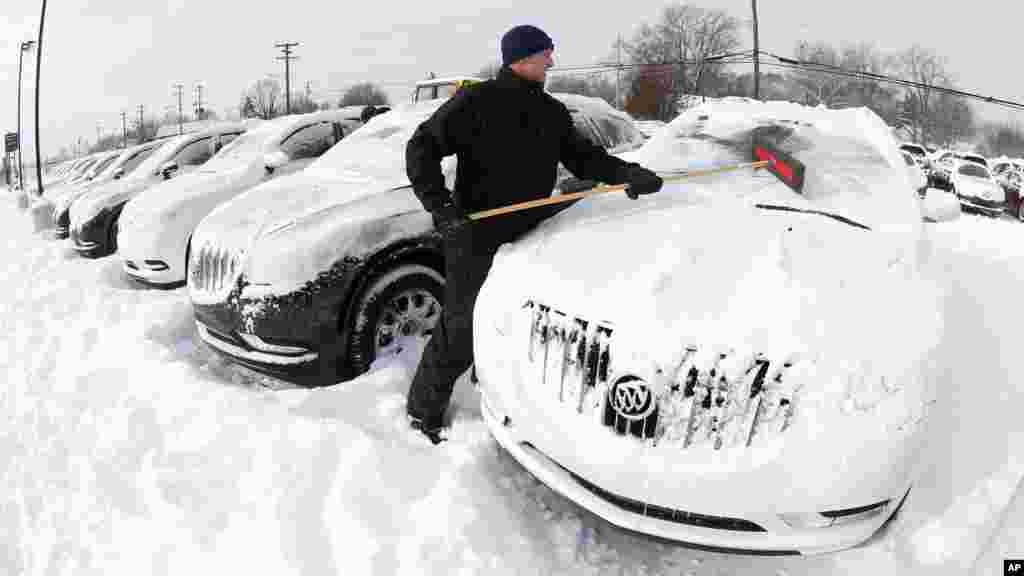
842, 219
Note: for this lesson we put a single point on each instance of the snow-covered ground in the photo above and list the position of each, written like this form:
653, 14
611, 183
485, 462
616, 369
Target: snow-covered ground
126, 447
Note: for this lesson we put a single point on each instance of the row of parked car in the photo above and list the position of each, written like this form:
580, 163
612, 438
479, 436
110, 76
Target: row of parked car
619, 373
305, 252
983, 186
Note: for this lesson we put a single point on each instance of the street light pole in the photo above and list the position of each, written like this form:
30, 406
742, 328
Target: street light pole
39, 61
22, 48
757, 55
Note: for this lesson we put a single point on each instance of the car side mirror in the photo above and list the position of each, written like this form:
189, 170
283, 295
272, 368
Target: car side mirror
168, 169
274, 160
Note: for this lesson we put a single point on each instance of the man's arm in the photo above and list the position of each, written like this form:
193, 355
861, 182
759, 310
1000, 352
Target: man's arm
434, 139
588, 161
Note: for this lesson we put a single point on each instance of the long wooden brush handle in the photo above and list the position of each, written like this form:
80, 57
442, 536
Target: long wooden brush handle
606, 188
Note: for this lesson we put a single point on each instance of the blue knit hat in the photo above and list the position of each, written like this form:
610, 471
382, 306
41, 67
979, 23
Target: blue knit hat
523, 41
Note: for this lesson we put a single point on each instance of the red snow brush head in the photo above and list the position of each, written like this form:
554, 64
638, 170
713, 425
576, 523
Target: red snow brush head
767, 142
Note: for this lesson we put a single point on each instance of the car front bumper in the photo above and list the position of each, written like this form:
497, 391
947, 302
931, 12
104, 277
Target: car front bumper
288, 341
90, 244
982, 206
697, 530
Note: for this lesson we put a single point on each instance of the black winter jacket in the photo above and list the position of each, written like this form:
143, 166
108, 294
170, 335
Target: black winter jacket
508, 135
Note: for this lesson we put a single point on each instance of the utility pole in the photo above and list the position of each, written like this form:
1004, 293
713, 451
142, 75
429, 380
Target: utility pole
124, 129
198, 103
22, 48
39, 63
618, 74
141, 132
178, 88
757, 55
286, 48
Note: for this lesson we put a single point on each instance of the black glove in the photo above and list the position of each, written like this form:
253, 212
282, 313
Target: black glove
640, 180
449, 218
571, 185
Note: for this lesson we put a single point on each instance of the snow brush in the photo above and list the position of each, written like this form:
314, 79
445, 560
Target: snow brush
766, 153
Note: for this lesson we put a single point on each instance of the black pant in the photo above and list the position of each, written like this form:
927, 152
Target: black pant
468, 253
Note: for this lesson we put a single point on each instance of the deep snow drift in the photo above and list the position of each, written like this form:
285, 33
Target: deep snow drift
128, 448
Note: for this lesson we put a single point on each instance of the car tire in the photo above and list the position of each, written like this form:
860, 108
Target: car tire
1020, 210
404, 300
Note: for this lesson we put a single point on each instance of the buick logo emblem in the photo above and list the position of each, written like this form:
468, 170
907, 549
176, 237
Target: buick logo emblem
631, 398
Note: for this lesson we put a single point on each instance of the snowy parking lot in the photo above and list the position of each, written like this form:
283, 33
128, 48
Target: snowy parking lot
129, 448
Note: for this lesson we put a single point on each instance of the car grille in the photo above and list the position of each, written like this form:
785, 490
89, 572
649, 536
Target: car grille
212, 270
723, 400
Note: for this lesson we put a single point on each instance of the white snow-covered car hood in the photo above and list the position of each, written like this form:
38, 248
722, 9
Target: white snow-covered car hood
287, 216
166, 200
94, 201
978, 187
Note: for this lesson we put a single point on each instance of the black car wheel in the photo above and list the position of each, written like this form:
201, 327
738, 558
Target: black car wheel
401, 302
1020, 210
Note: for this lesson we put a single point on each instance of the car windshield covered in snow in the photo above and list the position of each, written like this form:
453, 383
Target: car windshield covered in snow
242, 148
376, 151
160, 155
972, 169
135, 161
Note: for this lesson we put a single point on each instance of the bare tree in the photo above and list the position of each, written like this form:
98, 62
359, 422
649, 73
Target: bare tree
677, 48
594, 86
364, 94
262, 99
819, 87
302, 103
926, 68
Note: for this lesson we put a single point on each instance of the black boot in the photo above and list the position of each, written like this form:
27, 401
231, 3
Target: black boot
432, 432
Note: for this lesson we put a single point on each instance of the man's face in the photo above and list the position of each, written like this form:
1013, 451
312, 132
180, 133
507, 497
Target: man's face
534, 67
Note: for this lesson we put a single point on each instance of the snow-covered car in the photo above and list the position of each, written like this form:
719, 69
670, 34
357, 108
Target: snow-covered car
1013, 184
154, 227
94, 215
917, 151
441, 87
313, 276
707, 365
915, 173
977, 190
972, 157
124, 165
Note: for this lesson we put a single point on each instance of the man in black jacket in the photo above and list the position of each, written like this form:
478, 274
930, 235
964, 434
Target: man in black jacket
508, 136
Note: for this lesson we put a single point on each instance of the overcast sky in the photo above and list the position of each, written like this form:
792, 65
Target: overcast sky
104, 56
